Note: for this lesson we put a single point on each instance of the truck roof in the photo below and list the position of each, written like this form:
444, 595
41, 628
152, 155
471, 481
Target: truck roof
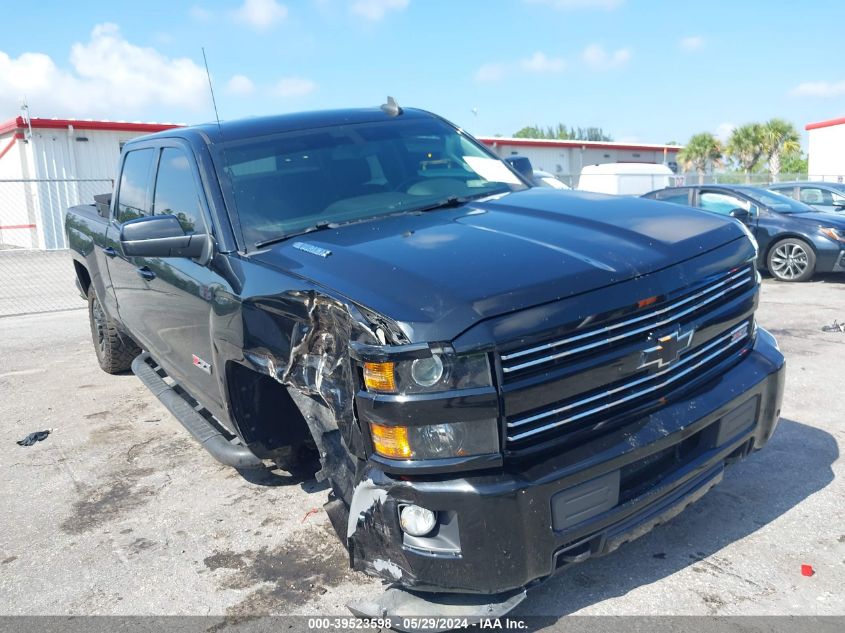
276, 124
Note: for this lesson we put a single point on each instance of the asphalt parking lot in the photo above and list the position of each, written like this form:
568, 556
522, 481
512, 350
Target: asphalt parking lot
120, 512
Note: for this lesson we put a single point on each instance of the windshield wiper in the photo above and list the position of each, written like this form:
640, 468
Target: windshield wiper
456, 201
319, 226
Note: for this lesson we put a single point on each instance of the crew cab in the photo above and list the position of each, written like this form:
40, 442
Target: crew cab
500, 380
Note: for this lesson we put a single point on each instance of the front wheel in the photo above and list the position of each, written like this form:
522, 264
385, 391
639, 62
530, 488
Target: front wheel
115, 351
791, 260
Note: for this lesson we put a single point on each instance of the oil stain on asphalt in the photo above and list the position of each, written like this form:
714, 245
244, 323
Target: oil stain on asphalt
283, 576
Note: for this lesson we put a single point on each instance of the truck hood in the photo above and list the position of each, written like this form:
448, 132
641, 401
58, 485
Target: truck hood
437, 273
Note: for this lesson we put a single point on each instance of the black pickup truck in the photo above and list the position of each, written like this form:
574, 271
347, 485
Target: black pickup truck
500, 380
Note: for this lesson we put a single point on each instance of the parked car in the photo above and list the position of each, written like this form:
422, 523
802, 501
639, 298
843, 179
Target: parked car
824, 196
537, 177
624, 179
795, 240
545, 179
483, 367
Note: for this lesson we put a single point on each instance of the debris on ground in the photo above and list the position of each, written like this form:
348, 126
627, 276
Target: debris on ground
807, 570
835, 327
32, 438
309, 513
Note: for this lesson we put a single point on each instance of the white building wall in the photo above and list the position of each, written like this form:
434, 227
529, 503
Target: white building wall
76, 164
827, 153
566, 162
18, 225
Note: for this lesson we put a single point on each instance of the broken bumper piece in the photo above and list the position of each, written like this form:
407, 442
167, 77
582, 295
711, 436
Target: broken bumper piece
402, 606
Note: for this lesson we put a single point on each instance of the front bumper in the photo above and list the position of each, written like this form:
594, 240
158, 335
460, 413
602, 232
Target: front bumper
505, 529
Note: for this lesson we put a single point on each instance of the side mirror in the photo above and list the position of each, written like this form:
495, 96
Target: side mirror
162, 236
522, 164
740, 214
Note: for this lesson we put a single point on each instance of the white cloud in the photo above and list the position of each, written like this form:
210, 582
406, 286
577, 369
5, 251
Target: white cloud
240, 85
724, 130
291, 87
489, 73
599, 59
824, 89
539, 62
691, 43
376, 9
261, 14
200, 14
109, 77
607, 5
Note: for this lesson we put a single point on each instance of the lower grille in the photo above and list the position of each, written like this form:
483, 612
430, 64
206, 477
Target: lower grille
591, 408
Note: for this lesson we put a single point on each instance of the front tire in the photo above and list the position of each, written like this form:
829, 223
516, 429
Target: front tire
791, 260
115, 351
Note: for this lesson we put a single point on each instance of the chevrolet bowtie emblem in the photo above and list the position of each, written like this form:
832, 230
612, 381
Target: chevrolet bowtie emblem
666, 349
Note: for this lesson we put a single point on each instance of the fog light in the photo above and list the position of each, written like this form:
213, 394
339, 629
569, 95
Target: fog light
417, 521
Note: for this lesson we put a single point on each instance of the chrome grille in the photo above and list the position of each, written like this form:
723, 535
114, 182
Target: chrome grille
604, 403
542, 356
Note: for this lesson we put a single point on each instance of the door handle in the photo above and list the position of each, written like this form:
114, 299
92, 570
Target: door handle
145, 273
108, 251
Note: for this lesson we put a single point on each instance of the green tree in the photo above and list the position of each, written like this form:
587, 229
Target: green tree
562, 132
794, 163
780, 138
746, 147
530, 131
701, 151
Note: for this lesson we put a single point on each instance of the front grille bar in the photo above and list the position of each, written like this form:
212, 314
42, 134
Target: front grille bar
732, 337
743, 276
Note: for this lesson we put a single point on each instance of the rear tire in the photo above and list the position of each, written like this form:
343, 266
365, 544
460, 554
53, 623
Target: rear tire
115, 351
791, 259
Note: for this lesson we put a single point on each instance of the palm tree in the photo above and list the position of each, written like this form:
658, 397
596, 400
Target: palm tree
745, 146
702, 150
780, 138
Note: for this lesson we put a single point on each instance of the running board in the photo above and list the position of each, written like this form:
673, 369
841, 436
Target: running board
204, 432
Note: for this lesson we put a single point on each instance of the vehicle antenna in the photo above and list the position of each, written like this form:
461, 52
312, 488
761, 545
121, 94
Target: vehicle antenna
391, 108
211, 90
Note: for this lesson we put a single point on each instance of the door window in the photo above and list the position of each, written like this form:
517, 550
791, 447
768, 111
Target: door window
721, 203
176, 192
816, 196
677, 197
134, 180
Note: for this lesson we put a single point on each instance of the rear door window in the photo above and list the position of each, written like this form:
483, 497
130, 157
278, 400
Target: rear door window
134, 182
176, 192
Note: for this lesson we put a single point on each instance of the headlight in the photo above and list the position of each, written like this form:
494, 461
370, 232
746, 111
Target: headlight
837, 235
436, 441
438, 372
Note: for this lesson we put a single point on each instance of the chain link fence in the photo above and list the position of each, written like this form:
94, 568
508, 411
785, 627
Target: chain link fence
725, 178
36, 273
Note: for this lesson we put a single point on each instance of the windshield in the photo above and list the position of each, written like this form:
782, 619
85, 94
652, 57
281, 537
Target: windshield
288, 183
778, 203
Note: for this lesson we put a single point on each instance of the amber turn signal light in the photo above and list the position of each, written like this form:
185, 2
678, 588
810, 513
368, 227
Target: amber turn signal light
380, 377
390, 441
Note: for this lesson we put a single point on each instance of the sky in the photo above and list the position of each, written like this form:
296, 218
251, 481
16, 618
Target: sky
643, 70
